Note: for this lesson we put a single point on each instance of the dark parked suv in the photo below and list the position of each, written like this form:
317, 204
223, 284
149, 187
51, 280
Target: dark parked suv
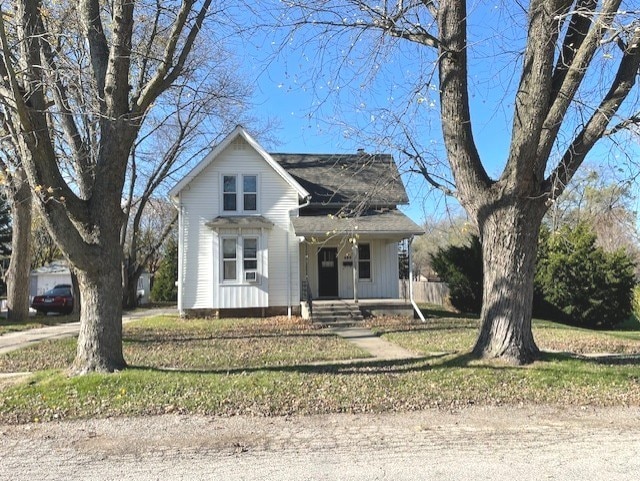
59, 299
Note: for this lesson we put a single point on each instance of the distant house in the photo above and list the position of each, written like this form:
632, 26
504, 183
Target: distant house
259, 233
46, 277
57, 272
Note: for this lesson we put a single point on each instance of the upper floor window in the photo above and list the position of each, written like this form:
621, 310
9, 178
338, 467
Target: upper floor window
250, 190
229, 196
249, 193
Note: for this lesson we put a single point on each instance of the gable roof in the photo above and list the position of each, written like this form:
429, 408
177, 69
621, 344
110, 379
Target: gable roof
239, 131
338, 179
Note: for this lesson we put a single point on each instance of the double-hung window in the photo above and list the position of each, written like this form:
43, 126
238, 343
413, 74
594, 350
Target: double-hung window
240, 259
229, 257
250, 258
250, 192
364, 262
230, 192
231, 185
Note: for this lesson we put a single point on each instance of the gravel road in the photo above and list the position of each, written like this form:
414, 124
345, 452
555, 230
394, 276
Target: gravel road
533, 443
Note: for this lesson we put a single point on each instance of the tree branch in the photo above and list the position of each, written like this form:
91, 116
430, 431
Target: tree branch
572, 78
165, 73
470, 176
98, 47
596, 126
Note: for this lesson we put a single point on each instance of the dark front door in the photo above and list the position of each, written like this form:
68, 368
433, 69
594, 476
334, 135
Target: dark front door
328, 272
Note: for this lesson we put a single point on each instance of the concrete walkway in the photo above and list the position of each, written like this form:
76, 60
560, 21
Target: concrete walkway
17, 340
380, 349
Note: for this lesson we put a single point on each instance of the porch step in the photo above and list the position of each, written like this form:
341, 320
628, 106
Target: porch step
339, 313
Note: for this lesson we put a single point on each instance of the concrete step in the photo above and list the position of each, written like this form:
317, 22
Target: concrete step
339, 314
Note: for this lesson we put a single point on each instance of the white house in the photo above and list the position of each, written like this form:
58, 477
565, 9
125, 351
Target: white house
259, 233
47, 277
57, 272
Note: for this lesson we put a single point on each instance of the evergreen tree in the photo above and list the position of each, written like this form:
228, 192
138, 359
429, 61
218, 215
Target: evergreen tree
164, 285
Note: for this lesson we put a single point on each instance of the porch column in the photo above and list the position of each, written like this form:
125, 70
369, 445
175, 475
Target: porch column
354, 269
410, 260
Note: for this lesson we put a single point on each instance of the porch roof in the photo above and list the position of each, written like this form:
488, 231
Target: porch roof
392, 223
240, 222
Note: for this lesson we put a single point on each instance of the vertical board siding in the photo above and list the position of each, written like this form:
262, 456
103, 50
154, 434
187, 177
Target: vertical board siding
201, 202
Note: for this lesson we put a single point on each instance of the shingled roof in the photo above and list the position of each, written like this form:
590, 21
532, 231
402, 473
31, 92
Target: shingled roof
388, 223
342, 179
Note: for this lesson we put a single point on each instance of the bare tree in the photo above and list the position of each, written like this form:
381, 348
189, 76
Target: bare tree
576, 72
76, 83
605, 204
188, 120
439, 234
19, 196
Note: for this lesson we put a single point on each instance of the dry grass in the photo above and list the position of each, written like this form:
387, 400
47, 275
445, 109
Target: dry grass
268, 367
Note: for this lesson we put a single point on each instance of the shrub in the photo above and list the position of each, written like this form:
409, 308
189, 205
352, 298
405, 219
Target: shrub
576, 282
635, 303
461, 269
164, 283
584, 284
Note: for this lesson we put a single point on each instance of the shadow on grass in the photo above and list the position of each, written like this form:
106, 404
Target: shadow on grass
357, 366
443, 313
616, 359
433, 362
153, 338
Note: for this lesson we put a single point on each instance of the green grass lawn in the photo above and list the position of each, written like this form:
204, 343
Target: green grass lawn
39, 320
269, 367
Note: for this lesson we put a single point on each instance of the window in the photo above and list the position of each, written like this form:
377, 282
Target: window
245, 189
229, 259
250, 191
229, 190
240, 259
250, 258
364, 262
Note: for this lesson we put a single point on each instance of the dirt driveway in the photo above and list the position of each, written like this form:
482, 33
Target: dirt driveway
531, 443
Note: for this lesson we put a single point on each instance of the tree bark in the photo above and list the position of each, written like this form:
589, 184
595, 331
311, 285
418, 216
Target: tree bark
17, 276
100, 339
130, 285
75, 286
509, 234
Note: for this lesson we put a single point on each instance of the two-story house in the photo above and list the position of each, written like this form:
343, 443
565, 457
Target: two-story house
260, 232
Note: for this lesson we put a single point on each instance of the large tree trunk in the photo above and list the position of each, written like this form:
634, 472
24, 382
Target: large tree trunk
509, 234
130, 277
100, 339
17, 276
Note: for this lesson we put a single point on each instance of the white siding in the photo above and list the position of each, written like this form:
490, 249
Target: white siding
384, 269
200, 265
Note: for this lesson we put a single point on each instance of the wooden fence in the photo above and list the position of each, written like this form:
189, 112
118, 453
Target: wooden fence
425, 291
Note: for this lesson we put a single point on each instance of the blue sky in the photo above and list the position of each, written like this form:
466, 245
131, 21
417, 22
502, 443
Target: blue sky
322, 109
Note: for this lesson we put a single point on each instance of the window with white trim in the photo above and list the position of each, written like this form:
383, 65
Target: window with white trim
364, 262
250, 192
246, 189
229, 256
240, 259
229, 193
250, 258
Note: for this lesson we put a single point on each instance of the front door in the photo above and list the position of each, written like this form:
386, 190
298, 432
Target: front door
328, 272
